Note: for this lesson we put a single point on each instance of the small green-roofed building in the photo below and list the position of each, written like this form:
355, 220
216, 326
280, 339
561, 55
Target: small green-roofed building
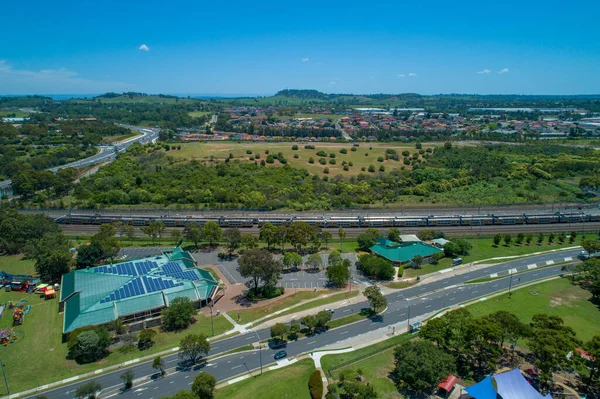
135, 291
402, 252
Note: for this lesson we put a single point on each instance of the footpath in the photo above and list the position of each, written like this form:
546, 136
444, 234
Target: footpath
357, 342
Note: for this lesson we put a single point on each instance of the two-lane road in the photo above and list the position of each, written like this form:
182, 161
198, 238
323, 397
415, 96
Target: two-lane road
424, 298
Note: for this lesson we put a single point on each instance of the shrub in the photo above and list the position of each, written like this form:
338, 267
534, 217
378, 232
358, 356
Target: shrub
326, 171
371, 168
248, 152
332, 161
343, 151
405, 153
363, 169
429, 150
322, 161
332, 155
321, 153
294, 147
353, 149
350, 163
346, 168
379, 159
267, 152
309, 147
311, 160
366, 154
257, 156
270, 159
296, 156
315, 385
382, 168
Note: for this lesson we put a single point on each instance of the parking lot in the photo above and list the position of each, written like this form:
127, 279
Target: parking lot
229, 268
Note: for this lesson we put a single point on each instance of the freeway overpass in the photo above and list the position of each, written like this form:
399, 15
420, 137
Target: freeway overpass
105, 153
421, 299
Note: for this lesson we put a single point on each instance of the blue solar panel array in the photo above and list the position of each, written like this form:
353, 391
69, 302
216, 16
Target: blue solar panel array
173, 269
158, 284
128, 268
140, 286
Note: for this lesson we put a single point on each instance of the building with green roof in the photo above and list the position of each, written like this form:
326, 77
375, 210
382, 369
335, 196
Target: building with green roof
135, 291
403, 252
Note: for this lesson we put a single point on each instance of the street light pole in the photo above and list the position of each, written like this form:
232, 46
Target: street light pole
5, 380
212, 324
259, 351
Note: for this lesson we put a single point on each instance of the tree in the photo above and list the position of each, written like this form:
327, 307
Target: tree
129, 232
338, 274
249, 241
507, 239
154, 230
551, 237
292, 260
322, 318
592, 347
88, 390
550, 342
177, 237
326, 237
540, 238
178, 315
529, 239
375, 298
193, 232
183, 394
279, 330
204, 386
367, 239
309, 321
300, 234
52, 256
233, 238
90, 345
394, 234
572, 237
159, 364
376, 267
212, 232
259, 265
417, 261
146, 338
520, 238
342, 236
334, 258
497, 239
89, 255
420, 366
314, 261
193, 346
127, 378
269, 234
591, 246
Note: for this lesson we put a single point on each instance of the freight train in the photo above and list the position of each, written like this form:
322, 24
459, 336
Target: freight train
336, 221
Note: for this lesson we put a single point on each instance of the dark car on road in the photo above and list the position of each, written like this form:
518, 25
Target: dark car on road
280, 355
277, 344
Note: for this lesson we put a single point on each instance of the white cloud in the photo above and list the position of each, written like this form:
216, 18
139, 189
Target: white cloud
505, 70
305, 59
43, 81
412, 74
484, 72
401, 75
332, 82
143, 47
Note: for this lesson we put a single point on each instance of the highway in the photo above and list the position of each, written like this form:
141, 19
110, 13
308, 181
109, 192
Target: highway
105, 153
424, 298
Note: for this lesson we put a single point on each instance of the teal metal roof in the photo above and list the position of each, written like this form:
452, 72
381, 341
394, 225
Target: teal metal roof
99, 295
403, 252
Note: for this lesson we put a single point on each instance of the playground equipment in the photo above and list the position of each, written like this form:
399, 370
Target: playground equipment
8, 336
20, 309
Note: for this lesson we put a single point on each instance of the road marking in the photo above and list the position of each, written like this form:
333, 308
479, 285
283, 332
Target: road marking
493, 275
451, 299
549, 262
344, 332
238, 379
568, 258
445, 270
532, 266
512, 271
249, 338
495, 285
235, 367
474, 292
311, 342
347, 310
482, 299
428, 306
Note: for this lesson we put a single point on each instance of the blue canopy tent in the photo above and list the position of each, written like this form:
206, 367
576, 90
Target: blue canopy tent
512, 385
483, 389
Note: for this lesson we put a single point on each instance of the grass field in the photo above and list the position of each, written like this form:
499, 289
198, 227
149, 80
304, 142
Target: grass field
289, 382
197, 114
114, 139
39, 357
17, 114
15, 264
317, 116
557, 298
256, 312
362, 157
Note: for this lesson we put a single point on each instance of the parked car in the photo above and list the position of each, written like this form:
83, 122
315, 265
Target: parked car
277, 343
280, 355
328, 310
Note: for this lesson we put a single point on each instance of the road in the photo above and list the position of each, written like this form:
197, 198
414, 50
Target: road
105, 153
423, 298
354, 232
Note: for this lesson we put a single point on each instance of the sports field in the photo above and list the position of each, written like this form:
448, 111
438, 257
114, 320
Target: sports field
365, 155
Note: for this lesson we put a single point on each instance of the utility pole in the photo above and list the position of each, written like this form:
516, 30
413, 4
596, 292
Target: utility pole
212, 323
259, 351
5, 380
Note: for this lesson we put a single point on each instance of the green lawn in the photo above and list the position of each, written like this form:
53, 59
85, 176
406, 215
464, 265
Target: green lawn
39, 357
197, 114
556, 297
257, 311
364, 156
114, 139
15, 264
17, 114
321, 302
289, 382
348, 319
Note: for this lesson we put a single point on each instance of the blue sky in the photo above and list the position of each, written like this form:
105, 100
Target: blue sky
260, 47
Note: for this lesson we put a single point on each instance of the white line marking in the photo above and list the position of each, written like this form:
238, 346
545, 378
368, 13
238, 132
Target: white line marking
532, 266
568, 258
549, 262
493, 275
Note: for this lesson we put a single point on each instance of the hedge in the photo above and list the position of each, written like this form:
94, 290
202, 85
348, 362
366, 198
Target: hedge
315, 385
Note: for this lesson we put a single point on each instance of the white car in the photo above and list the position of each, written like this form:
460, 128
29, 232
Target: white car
328, 310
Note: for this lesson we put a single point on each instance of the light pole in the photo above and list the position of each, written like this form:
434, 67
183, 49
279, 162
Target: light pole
259, 350
408, 319
510, 285
5, 380
212, 324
